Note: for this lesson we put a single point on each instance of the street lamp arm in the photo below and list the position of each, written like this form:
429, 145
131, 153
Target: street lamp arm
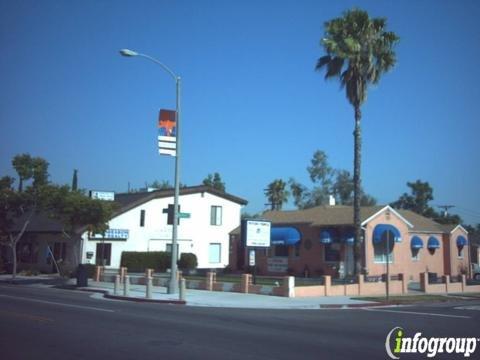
162, 65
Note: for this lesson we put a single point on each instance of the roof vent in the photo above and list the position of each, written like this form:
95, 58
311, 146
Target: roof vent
331, 200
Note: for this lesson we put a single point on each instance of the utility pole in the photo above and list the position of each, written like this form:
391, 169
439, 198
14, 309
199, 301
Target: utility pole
445, 209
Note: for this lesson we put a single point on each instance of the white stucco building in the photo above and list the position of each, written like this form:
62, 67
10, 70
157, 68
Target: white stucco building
140, 224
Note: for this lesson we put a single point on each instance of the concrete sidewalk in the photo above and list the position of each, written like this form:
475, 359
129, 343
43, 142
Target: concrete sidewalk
226, 299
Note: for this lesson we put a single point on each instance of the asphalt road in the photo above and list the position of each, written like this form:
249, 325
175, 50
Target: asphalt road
46, 323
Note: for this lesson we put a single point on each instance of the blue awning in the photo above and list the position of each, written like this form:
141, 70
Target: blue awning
326, 237
461, 241
380, 229
433, 243
416, 243
284, 236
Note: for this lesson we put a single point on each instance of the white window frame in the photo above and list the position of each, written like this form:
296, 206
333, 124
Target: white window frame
216, 213
211, 246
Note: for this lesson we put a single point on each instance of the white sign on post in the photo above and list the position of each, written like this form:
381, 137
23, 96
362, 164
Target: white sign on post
251, 258
257, 233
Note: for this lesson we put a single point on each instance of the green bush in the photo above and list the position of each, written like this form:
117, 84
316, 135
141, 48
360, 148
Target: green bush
188, 261
138, 261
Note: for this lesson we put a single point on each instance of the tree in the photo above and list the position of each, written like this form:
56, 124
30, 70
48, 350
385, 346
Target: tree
22, 164
214, 181
73, 209
277, 194
421, 193
418, 201
161, 185
75, 180
358, 51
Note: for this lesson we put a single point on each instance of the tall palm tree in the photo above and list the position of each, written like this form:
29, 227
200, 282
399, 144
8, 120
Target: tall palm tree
358, 51
277, 194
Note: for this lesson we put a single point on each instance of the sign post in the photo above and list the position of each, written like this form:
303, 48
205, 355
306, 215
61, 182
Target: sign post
255, 234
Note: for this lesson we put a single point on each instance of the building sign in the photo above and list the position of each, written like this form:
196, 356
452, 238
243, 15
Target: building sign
102, 195
120, 234
167, 132
256, 233
277, 264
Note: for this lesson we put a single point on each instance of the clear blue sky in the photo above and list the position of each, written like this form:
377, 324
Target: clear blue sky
254, 109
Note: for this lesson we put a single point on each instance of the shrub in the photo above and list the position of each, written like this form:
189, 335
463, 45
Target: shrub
188, 261
138, 261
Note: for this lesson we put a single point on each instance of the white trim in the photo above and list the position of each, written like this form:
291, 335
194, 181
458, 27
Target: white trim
388, 207
459, 226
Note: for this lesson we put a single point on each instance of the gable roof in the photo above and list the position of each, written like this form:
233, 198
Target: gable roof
343, 215
128, 201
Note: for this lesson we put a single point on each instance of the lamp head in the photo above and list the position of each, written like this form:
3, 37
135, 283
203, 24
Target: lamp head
127, 52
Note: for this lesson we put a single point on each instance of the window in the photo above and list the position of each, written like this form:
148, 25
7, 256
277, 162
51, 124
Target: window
103, 254
142, 218
415, 254
214, 253
380, 248
169, 249
281, 250
460, 252
216, 215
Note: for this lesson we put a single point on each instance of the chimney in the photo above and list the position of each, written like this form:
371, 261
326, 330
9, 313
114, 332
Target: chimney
331, 200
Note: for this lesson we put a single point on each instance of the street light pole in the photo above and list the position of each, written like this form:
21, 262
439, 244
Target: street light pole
173, 285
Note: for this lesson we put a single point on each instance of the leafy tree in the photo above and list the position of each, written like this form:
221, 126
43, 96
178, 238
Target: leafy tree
75, 180
327, 181
358, 51
421, 193
22, 164
418, 200
161, 185
73, 209
277, 194
214, 181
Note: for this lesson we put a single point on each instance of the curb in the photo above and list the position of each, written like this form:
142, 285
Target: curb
107, 295
354, 306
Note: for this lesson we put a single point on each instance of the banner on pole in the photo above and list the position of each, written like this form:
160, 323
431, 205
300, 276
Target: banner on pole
167, 132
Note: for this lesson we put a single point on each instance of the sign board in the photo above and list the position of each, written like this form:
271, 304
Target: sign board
277, 264
251, 258
120, 234
256, 233
167, 132
184, 215
102, 195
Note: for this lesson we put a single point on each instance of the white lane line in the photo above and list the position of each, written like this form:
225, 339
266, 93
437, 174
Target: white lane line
419, 313
57, 303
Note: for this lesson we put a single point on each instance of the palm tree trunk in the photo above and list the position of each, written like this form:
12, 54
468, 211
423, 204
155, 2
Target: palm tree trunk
358, 250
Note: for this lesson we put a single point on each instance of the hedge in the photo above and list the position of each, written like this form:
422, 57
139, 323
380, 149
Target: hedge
138, 261
160, 261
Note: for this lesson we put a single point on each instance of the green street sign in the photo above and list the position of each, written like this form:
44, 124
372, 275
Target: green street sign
184, 215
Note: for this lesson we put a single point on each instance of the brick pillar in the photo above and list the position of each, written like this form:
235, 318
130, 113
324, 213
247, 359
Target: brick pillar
288, 285
98, 272
209, 281
424, 282
464, 283
246, 278
123, 273
148, 273
361, 280
328, 283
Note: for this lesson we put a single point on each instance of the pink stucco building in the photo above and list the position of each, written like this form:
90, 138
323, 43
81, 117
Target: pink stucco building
319, 241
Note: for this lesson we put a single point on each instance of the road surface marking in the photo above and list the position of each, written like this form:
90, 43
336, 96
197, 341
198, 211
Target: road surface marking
57, 303
26, 316
419, 313
474, 307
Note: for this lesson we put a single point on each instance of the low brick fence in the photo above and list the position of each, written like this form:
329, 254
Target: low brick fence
359, 288
446, 286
